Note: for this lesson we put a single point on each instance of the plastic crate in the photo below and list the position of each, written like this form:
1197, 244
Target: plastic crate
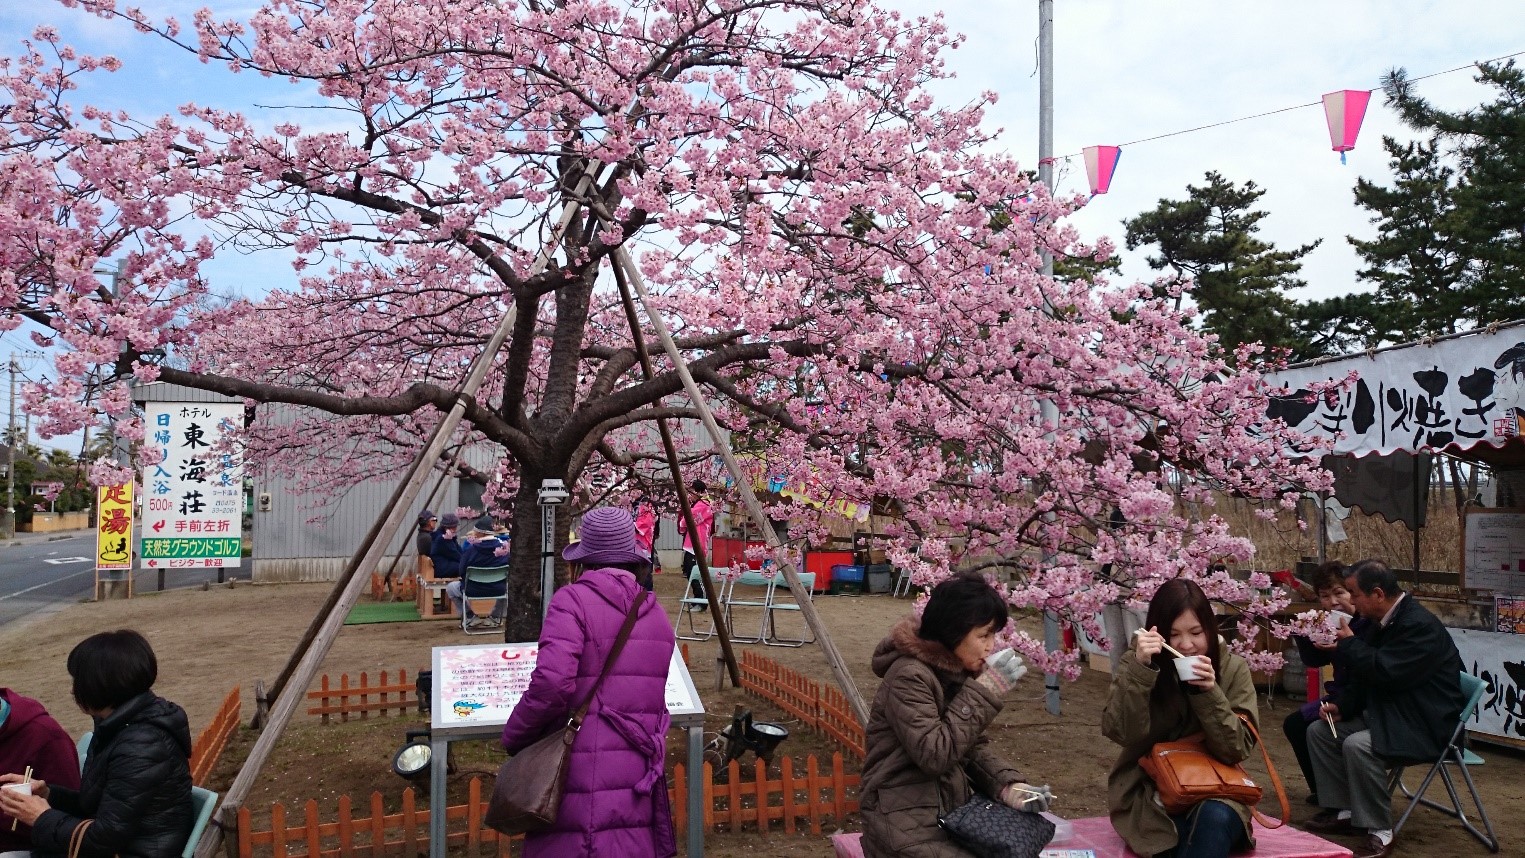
848, 579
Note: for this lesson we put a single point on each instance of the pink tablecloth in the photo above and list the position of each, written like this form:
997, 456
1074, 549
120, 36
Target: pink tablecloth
1096, 833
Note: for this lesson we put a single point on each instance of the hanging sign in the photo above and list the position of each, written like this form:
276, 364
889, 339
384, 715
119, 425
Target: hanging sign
113, 527
193, 496
1455, 393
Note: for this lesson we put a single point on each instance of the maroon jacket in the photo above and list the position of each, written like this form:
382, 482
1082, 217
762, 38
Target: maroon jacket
30, 737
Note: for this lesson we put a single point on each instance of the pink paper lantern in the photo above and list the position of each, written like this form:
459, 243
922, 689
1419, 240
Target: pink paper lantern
1344, 110
1101, 162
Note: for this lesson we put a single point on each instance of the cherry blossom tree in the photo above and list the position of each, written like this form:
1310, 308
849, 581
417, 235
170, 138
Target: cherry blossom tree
851, 269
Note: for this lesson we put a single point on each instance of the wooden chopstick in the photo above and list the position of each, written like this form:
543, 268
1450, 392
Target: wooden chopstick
27, 778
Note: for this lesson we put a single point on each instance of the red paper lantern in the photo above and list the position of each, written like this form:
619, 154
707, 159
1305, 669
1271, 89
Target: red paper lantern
1344, 111
1101, 162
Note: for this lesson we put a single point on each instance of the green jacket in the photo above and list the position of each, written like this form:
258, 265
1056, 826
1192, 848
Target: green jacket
1133, 721
926, 750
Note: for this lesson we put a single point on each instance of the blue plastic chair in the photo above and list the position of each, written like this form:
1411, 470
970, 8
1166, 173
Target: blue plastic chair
204, 800
1455, 754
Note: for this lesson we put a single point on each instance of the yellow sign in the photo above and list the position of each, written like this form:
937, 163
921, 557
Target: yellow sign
113, 530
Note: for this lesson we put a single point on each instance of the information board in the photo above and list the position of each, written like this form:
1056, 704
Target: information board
477, 686
1493, 550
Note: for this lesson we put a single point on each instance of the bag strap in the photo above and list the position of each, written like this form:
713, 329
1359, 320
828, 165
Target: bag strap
619, 644
77, 838
1281, 793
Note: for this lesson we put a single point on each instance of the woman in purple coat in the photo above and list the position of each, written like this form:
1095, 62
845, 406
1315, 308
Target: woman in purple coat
616, 793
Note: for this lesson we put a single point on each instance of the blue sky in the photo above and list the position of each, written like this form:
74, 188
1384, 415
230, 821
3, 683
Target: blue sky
1124, 70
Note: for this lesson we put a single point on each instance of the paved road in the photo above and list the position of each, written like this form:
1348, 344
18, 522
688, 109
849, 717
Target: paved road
41, 575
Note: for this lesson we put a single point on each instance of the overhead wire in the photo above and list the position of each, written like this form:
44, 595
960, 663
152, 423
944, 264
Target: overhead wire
1285, 109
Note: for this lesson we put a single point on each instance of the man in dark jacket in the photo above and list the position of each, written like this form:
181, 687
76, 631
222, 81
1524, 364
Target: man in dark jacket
1403, 704
30, 737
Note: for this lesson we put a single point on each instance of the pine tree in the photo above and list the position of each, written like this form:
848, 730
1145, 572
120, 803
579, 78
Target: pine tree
1240, 279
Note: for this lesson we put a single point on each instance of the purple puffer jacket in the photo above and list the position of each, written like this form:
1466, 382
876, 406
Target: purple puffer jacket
616, 793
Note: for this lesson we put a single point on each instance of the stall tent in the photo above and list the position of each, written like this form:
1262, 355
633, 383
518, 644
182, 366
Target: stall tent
1462, 396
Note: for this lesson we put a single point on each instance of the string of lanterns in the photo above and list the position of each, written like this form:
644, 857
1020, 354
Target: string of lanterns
1344, 111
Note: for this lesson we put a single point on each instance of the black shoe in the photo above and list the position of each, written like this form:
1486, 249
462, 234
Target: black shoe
1328, 821
1373, 848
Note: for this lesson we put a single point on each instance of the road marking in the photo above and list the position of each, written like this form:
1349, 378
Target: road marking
44, 584
59, 560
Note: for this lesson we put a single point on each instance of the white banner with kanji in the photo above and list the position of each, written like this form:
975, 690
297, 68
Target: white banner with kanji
1456, 393
193, 495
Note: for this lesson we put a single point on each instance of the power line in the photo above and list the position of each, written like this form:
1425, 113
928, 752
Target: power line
1285, 109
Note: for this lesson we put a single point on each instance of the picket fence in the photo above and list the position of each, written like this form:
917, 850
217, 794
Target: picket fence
211, 741
822, 708
363, 698
794, 801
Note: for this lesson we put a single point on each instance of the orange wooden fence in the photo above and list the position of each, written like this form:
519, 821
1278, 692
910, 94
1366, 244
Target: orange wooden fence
823, 709
793, 801
210, 741
364, 698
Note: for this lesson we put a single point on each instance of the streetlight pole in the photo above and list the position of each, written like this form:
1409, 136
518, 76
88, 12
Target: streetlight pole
1048, 412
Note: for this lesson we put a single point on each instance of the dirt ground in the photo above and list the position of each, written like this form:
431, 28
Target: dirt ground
208, 641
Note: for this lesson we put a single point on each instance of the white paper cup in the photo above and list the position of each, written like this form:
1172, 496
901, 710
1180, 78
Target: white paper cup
1185, 667
1333, 619
23, 788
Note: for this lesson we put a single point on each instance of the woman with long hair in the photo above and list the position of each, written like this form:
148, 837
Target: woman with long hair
1149, 703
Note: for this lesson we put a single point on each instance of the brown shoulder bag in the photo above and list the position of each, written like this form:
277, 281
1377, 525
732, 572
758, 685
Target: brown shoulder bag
527, 794
1185, 774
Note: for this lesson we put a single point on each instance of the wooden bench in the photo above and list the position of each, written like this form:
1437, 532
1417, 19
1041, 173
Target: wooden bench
431, 591
1096, 833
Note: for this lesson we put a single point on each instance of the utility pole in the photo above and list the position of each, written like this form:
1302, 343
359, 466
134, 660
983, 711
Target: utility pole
1048, 412
10, 470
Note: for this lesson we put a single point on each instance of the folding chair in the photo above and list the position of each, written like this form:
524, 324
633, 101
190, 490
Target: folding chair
202, 801
749, 578
1455, 754
482, 575
770, 628
693, 603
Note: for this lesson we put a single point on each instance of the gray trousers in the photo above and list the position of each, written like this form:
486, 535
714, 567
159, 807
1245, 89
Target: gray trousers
1349, 775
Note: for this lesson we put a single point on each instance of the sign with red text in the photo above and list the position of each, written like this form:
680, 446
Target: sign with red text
113, 528
478, 685
193, 495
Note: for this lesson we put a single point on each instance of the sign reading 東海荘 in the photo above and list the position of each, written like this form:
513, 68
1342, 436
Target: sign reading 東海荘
193, 494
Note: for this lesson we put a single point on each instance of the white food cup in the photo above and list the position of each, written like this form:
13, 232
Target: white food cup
1186, 666
25, 788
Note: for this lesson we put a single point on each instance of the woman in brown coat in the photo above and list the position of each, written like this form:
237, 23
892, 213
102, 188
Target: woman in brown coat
926, 745
1148, 704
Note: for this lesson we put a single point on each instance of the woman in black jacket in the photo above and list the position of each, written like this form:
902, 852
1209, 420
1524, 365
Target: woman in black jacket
136, 787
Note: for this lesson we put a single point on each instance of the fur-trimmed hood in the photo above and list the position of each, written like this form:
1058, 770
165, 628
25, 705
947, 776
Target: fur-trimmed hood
903, 642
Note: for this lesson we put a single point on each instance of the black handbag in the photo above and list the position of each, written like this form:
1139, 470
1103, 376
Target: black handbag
992, 829
527, 794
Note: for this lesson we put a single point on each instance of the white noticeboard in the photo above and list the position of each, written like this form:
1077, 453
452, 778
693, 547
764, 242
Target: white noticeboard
193, 496
476, 686
1493, 550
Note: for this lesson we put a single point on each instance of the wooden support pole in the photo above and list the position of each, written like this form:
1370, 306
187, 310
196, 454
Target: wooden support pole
743, 484
685, 507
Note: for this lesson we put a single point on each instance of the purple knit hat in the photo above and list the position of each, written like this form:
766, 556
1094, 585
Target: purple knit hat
607, 538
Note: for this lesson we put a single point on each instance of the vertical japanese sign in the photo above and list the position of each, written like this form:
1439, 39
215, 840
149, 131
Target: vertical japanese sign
193, 496
113, 529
